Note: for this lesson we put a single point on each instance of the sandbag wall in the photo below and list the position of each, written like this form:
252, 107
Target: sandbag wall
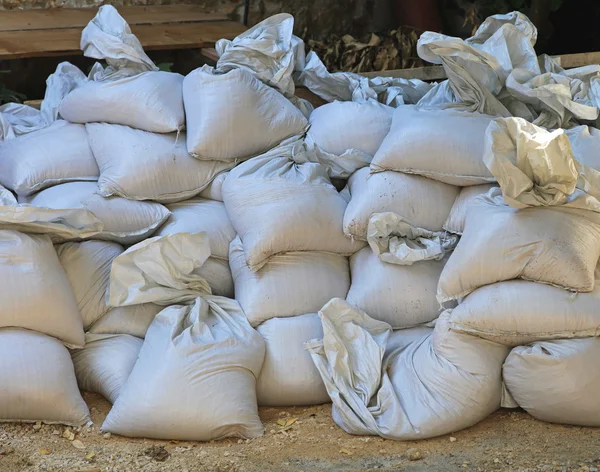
194, 247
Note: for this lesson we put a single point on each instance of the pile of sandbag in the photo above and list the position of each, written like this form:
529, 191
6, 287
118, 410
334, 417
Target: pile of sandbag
208, 244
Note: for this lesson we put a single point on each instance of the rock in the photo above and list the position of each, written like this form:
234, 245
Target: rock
106, 436
158, 453
452, 439
37, 426
56, 432
413, 454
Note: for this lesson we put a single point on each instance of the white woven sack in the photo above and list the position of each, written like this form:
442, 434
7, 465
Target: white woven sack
125, 221
519, 312
554, 245
148, 166
458, 214
422, 202
87, 265
213, 190
401, 295
434, 385
289, 284
195, 378
36, 293
234, 116
37, 380
445, 145
556, 381
53, 155
201, 215
133, 320
288, 376
150, 101
105, 363
278, 206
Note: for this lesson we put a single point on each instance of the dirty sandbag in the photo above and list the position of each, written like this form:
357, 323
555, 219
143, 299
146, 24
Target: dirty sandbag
87, 265
140, 165
438, 384
425, 203
396, 241
477, 68
269, 50
535, 167
130, 90
132, 319
556, 381
53, 155
195, 378
348, 86
309, 218
278, 385
234, 116
36, 293
105, 363
122, 220
556, 245
518, 312
162, 270
444, 145
38, 380
402, 296
289, 284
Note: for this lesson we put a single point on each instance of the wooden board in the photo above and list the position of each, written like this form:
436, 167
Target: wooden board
210, 53
37, 43
59, 18
567, 61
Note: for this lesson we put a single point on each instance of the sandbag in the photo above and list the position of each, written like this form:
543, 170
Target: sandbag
289, 284
125, 221
234, 116
37, 380
278, 206
197, 215
422, 202
150, 101
439, 384
585, 143
213, 190
105, 363
402, 296
87, 265
445, 145
133, 320
554, 245
53, 155
195, 378
36, 294
519, 312
556, 381
349, 131
288, 376
148, 166
218, 275
455, 223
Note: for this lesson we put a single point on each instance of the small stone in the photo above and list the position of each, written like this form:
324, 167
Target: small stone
240, 441
413, 454
77, 444
106, 436
226, 454
452, 439
496, 461
56, 432
37, 426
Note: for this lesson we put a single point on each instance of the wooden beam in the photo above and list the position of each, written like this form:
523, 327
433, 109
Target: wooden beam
66, 18
38, 43
210, 54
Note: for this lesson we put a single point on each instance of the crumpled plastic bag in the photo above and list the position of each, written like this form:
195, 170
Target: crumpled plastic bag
348, 86
396, 241
535, 167
160, 270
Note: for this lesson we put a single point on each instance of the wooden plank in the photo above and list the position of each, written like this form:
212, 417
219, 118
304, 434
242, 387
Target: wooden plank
210, 53
306, 94
33, 103
570, 61
38, 43
56, 18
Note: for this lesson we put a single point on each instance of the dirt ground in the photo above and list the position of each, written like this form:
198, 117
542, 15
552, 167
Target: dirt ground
509, 440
